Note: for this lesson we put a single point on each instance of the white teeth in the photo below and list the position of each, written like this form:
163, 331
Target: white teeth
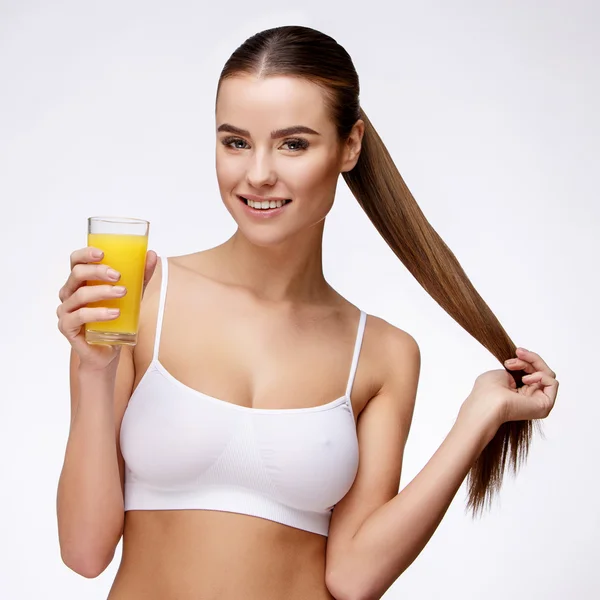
266, 204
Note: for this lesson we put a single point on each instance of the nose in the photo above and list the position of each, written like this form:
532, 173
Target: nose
260, 170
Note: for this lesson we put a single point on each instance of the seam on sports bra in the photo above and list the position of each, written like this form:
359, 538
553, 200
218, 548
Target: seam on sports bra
349, 401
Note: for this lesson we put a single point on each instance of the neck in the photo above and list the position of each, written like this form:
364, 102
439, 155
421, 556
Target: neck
291, 272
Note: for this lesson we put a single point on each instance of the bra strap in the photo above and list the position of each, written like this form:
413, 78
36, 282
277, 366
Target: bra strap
357, 346
161, 304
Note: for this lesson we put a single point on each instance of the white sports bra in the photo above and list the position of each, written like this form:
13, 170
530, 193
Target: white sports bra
184, 449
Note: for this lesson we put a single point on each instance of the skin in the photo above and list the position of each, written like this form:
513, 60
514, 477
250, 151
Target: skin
256, 305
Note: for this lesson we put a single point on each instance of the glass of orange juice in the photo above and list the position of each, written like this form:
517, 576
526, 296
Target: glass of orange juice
124, 242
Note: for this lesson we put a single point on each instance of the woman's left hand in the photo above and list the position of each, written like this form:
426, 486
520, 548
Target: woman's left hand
497, 389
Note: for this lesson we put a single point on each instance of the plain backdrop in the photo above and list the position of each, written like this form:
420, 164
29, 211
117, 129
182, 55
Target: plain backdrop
490, 110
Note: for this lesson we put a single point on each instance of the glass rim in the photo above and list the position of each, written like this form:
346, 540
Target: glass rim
119, 220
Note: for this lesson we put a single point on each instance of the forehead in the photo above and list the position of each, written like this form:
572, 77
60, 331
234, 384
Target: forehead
278, 101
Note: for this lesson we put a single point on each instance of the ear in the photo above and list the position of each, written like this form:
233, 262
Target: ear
352, 146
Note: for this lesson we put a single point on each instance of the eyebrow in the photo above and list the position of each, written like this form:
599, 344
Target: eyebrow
279, 133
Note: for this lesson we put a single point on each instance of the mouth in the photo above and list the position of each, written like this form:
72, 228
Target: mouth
264, 205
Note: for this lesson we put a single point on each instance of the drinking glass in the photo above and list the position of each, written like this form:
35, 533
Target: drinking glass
124, 242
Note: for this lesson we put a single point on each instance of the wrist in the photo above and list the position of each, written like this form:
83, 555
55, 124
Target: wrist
485, 419
88, 374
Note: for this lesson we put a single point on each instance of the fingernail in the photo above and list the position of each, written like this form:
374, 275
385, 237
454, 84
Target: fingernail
522, 349
119, 290
97, 254
113, 274
113, 312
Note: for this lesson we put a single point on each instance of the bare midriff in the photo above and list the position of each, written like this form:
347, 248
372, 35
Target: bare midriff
213, 555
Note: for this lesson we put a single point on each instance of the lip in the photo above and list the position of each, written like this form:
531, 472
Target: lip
259, 213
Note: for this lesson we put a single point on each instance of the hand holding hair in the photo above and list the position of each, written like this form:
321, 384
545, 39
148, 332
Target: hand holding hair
496, 392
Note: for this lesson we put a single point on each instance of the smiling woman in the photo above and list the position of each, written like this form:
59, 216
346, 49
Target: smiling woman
251, 444
286, 148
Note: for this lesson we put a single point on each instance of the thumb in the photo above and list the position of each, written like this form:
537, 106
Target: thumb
151, 260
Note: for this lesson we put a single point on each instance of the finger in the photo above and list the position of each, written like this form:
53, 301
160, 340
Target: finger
549, 383
70, 324
89, 254
92, 293
534, 359
87, 272
516, 364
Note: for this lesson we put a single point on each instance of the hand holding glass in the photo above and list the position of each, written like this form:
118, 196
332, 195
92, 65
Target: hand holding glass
124, 243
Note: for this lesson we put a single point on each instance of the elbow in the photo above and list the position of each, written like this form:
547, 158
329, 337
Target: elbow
88, 550
349, 586
350, 594
87, 564
88, 558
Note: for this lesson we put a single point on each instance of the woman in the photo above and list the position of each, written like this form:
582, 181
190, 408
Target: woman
250, 446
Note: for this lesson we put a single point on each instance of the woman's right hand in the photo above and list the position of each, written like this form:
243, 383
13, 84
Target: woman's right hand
73, 312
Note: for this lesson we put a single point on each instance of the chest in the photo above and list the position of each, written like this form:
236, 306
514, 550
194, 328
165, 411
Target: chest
175, 438
225, 347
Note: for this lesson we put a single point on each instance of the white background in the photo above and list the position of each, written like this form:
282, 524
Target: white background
490, 110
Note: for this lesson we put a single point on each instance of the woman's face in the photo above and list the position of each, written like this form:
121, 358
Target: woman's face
276, 144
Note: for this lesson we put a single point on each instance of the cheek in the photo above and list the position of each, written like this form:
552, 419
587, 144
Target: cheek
228, 171
310, 173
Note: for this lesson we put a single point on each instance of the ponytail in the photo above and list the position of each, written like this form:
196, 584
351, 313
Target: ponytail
387, 201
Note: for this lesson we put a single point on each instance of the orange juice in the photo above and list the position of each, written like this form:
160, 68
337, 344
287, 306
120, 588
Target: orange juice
126, 253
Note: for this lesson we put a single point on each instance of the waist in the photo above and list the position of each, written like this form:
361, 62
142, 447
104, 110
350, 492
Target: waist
210, 554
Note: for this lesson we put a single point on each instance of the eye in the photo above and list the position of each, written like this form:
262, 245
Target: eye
301, 144
228, 141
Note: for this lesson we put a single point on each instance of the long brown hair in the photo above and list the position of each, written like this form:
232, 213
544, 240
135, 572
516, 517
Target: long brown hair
380, 190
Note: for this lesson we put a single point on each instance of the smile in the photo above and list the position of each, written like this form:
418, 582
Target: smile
264, 204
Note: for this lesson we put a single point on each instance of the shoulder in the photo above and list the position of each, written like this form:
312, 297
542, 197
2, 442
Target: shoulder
393, 338
171, 267
397, 351
182, 268
388, 369
204, 263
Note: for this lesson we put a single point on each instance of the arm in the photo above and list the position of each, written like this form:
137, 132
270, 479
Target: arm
90, 489
380, 532
89, 501
395, 534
